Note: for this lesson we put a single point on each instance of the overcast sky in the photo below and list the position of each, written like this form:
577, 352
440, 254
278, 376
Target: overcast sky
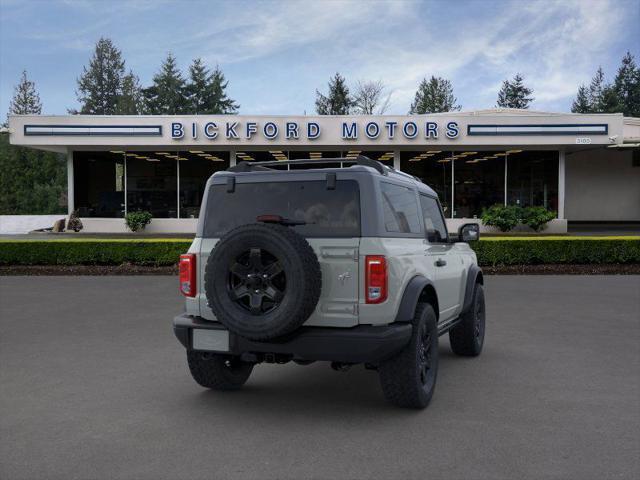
275, 54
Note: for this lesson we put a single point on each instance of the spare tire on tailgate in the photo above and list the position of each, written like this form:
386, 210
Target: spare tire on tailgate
262, 281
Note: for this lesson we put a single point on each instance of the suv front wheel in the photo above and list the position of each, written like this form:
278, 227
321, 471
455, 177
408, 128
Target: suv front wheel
409, 379
218, 372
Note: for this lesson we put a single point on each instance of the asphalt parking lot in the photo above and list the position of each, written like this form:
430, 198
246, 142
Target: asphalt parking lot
93, 384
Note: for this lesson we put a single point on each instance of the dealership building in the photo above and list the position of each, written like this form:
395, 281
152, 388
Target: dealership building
586, 168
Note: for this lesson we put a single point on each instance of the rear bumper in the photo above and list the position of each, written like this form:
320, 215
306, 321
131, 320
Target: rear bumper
360, 344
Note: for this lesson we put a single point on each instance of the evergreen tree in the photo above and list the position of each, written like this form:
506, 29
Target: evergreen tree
514, 94
627, 86
31, 181
130, 101
167, 95
218, 100
206, 92
338, 101
25, 99
99, 86
196, 89
596, 91
581, 104
433, 96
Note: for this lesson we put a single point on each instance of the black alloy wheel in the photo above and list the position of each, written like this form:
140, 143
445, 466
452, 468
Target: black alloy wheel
424, 357
257, 281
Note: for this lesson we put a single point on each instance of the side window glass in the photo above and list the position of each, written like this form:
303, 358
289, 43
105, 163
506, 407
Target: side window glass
433, 222
400, 209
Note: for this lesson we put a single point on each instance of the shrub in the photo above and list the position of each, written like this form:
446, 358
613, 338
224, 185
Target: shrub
537, 217
503, 217
74, 223
137, 220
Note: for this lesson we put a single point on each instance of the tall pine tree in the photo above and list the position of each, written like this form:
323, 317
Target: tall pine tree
338, 100
25, 99
206, 92
514, 94
100, 85
130, 101
167, 94
196, 88
433, 96
31, 181
582, 103
597, 88
627, 86
219, 102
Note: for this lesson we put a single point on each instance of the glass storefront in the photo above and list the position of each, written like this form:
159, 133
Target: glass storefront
170, 184
433, 167
532, 179
479, 178
478, 182
99, 184
152, 185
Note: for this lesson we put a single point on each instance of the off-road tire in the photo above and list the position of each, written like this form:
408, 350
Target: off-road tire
467, 338
403, 382
218, 372
299, 264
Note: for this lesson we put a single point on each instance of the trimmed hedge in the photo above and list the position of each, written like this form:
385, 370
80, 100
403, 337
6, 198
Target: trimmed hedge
92, 252
492, 251
496, 251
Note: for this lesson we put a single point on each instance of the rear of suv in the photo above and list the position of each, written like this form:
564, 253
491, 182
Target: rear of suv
346, 265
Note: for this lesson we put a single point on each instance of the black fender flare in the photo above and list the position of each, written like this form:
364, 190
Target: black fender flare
473, 276
411, 296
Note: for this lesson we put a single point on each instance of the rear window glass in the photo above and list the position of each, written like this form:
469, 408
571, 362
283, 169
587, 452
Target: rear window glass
327, 213
400, 209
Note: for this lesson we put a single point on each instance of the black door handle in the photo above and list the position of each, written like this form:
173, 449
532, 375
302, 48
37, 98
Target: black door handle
440, 262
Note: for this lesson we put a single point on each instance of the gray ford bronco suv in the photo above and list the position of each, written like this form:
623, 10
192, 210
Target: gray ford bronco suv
347, 265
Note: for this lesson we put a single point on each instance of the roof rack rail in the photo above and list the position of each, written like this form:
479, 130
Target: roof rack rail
261, 166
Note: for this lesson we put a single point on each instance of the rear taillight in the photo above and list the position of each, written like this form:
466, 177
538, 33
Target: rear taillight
375, 279
188, 275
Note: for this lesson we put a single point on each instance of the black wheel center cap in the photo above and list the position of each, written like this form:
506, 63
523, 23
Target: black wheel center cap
254, 281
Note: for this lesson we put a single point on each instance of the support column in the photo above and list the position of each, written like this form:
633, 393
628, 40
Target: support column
126, 194
561, 181
453, 183
177, 188
232, 158
396, 159
506, 165
70, 183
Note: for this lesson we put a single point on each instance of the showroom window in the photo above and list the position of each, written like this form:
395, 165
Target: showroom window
468, 181
99, 184
168, 184
532, 179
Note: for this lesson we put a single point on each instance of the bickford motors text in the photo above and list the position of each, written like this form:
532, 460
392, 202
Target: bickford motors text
290, 130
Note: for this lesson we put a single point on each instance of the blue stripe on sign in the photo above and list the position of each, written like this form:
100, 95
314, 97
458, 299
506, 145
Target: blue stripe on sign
94, 130
532, 129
